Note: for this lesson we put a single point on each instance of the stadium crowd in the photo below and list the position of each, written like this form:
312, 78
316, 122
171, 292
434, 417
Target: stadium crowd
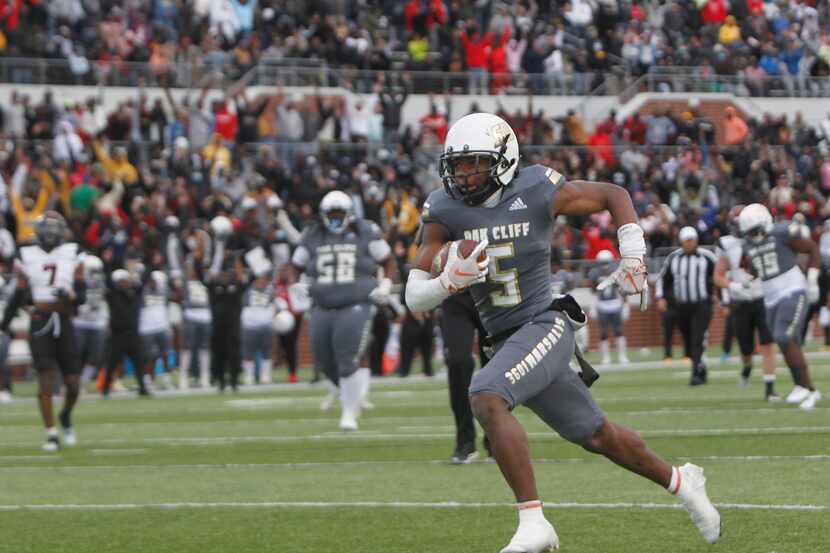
543, 46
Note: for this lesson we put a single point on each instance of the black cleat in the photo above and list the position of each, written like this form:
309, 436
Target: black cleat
465, 454
52, 444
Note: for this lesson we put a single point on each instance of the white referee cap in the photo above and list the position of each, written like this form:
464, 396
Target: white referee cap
687, 233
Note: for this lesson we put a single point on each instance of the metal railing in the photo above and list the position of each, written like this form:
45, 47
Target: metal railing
222, 72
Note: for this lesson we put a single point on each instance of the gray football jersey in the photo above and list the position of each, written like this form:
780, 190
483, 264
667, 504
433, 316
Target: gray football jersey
596, 275
341, 267
518, 229
773, 256
561, 282
195, 295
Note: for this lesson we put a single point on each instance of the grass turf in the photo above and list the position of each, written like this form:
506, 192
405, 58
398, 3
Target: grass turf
232, 457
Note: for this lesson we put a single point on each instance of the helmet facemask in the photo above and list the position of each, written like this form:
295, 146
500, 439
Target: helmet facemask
493, 164
50, 232
335, 220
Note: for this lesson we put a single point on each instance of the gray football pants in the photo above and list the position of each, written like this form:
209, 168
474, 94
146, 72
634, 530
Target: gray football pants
339, 338
532, 368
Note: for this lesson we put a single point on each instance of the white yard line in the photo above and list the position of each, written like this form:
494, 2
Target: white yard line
387, 504
371, 463
374, 435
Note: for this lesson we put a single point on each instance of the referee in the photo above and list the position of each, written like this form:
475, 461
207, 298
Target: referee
687, 278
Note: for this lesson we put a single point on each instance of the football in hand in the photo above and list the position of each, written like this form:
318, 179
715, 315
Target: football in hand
465, 248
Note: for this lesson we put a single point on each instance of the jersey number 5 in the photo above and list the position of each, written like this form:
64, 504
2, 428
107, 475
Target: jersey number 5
508, 279
52, 269
336, 267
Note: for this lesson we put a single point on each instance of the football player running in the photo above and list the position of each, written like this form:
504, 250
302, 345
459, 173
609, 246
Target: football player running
341, 256
771, 251
50, 274
744, 296
511, 214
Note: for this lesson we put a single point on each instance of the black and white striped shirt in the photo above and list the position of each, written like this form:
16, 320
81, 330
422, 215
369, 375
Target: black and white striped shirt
687, 278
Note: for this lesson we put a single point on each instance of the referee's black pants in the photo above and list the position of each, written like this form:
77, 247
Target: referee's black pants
693, 320
459, 323
416, 335
125, 343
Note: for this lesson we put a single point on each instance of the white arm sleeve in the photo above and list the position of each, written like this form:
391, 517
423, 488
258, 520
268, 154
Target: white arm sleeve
379, 250
288, 227
300, 257
422, 292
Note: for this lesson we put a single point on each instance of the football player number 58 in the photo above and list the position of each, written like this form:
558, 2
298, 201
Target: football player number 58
336, 267
508, 279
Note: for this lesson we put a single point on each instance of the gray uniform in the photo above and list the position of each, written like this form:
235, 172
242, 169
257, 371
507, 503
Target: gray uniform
783, 282
343, 269
92, 322
561, 282
531, 367
196, 315
257, 321
609, 303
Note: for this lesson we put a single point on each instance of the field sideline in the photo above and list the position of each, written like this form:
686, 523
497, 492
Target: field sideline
268, 471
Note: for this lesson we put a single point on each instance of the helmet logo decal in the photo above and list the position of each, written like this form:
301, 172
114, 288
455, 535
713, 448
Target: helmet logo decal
501, 134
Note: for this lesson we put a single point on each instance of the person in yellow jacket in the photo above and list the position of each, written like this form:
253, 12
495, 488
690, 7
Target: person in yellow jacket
118, 167
217, 156
729, 32
27, 210
401, 211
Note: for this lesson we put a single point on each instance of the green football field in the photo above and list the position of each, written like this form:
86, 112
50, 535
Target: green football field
268, 471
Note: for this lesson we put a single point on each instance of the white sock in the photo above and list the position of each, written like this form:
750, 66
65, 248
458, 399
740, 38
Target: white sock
204, 367
603, 349
265, 371
350, 388
365, 380
185, 362
87, 374
248, 370
52, 432
530, 511
621, 347
674, 485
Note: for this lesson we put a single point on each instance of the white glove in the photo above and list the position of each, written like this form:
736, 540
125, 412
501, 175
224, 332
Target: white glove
459, 273
381, 294
812, 285
631, 278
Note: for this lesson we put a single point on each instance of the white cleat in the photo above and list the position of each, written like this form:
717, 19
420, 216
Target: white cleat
348, 421
533, 537
810, 403
606, 361
692, 493
118, 386
366, 404
51, 445
69, 437
624, 360
798, 394
5, 396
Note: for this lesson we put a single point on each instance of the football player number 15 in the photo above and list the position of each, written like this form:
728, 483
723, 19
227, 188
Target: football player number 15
766, 265
508, 279
336, 267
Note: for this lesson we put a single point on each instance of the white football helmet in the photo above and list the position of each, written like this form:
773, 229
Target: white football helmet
479, 135
221, 226
283, 322
604, 256
92, 264
755, 222
336, 201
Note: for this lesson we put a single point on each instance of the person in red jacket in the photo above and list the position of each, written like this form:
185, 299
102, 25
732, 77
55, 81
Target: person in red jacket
714, 12
226, 123
422, 15
477, 50
498, 63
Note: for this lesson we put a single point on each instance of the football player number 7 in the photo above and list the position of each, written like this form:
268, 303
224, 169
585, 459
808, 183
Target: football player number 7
508, 279
52, 268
